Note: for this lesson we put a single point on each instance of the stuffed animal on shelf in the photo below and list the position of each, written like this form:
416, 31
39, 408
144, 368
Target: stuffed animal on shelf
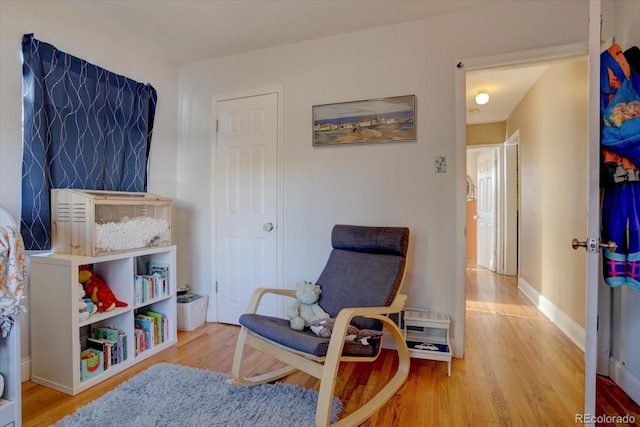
324, 327
91, 307
305, 308
82, 305
98, 291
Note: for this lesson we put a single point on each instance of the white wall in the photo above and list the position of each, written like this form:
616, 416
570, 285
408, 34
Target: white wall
367, 184
76, 33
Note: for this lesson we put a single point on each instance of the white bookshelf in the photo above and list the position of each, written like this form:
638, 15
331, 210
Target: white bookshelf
57, 333
10, 401
426, 334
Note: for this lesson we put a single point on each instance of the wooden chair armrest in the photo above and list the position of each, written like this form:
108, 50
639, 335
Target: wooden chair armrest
396, 306
260, 292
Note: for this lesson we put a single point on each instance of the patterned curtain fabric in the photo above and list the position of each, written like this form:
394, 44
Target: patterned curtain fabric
84, 127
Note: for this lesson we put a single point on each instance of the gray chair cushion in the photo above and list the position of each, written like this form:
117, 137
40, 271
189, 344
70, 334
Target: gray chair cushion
355, 279
365, 269
278, 330
374, 240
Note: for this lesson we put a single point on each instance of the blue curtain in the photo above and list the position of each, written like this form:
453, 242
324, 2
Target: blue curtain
83, 127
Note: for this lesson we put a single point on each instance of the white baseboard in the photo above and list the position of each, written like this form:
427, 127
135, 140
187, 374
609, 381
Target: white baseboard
626, 379
25, 369
566, 324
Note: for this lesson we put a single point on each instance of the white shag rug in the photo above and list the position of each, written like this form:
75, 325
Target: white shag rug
175, 395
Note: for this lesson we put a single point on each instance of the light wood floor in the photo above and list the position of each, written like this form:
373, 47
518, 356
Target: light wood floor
518, 370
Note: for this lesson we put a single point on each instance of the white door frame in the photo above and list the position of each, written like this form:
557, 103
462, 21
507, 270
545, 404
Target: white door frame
506, 242
498, 191
511, 206
521, 58
212, 309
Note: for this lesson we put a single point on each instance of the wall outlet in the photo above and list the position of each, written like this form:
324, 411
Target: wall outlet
441, 164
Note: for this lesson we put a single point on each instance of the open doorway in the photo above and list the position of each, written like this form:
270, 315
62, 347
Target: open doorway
537, 192
544, 136
493, 204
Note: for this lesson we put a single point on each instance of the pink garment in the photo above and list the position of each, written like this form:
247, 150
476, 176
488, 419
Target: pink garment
13, 273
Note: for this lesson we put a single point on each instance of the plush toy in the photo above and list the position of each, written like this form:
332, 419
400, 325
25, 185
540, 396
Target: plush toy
324, 327
305, 309
91, 307
82, 305
86, 307
98, 291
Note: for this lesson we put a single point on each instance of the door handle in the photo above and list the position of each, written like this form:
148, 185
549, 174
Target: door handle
593, 245
267, 226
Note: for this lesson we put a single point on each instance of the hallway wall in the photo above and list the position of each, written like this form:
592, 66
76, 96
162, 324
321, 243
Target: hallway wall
552, 119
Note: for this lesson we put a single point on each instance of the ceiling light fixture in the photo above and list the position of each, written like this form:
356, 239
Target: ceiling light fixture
482, 98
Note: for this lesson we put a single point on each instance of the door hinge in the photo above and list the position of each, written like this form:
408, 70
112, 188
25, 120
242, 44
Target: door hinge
216, 286
217, 125
598, 322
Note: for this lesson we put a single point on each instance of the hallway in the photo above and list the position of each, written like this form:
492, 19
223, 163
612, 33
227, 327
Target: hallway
536, 374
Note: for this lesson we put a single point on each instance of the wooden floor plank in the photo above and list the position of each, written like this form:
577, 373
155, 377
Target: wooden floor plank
519, 369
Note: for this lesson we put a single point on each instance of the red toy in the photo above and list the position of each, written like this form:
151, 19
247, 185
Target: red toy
98, 291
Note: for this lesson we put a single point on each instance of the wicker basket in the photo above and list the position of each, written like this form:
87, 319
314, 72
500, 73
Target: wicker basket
193, 313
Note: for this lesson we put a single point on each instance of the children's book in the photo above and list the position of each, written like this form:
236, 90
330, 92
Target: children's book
105, 333
159, 268
148, 326
159, 321
160, 272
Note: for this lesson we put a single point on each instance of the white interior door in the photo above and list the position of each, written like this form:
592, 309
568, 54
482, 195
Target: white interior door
594, 273
246, 191
486, 210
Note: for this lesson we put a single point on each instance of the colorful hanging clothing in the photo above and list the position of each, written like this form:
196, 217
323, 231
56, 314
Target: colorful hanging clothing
620, 105
621, 217
620, 141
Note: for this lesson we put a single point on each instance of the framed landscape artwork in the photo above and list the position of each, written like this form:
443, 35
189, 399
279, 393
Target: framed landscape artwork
374, 120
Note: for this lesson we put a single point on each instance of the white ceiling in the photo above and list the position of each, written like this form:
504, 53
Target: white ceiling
187, 31
506, 88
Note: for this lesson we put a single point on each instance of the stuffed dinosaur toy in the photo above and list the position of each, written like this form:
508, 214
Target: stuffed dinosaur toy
98, 291
324, 327
305, 308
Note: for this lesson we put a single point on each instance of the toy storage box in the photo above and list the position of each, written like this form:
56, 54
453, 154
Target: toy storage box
94, 222
192, 311
91, 366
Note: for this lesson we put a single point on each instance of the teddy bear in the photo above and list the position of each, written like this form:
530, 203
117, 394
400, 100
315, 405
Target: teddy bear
305, 308
324, 327
98, 291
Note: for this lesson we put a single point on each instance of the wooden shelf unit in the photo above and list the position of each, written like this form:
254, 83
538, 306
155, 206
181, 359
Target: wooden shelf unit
57, 333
